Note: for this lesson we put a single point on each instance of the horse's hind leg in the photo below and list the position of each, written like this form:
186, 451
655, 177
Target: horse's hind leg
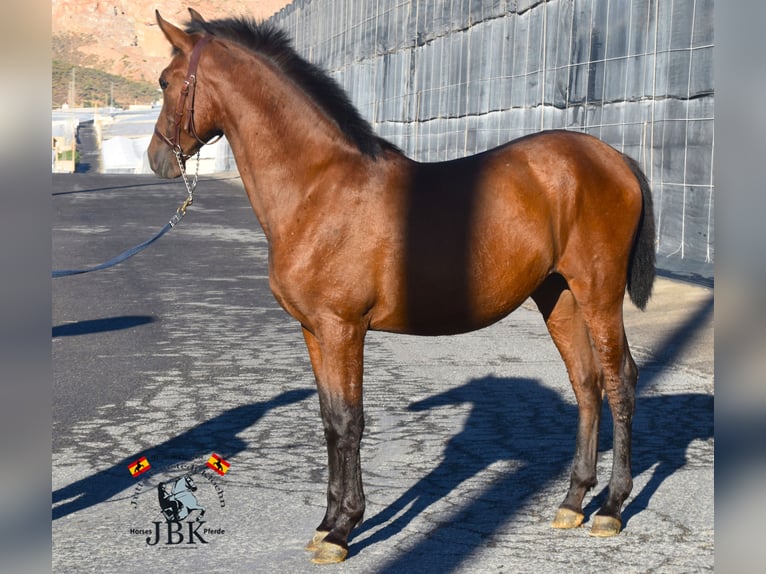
569, 332
620, 377
602, 311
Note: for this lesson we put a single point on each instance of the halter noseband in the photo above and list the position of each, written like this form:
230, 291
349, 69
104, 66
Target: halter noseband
185, 105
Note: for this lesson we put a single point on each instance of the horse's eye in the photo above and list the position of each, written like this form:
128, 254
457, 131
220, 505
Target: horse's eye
163, 83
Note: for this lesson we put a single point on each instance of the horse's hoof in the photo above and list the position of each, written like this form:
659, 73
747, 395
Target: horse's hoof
329, 553
313, 544
566, 518
605, 526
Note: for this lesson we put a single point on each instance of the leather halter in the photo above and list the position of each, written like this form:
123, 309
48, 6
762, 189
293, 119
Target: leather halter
185, 106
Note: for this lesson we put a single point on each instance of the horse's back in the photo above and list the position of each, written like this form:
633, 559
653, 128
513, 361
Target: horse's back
480, 234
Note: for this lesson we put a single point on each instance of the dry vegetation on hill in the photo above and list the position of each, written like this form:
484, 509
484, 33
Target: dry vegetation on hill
116, 49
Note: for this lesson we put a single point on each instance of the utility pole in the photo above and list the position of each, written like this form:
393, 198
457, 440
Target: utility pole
72, 89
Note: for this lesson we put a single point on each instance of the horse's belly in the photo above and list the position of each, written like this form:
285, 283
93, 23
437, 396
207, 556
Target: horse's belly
449, 308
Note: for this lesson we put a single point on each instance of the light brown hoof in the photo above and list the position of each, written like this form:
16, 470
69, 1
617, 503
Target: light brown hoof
566, 518
605, 526
329, 553
313, 544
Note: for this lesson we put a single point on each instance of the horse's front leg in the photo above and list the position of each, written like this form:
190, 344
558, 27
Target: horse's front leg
336, 352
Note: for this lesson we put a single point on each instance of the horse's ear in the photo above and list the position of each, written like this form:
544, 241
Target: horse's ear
196, 16
177, 37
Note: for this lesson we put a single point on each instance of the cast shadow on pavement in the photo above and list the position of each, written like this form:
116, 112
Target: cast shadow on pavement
91, 326
515, 420
121, 182
532, 428
197, 441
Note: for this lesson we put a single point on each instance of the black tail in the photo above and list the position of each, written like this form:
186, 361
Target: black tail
641, 267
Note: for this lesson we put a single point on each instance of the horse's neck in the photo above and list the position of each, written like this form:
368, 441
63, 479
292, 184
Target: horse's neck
282, 144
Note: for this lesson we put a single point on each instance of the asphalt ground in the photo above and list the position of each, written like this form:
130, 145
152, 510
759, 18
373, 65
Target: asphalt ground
181, 352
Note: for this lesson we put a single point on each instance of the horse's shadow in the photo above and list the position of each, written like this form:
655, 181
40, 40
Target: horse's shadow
532, 428
509, 420
200, 440
521, 421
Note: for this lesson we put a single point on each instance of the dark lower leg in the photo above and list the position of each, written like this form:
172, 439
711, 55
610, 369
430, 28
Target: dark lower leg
620, 392
345, 495
621, 482
334, 488
583, 475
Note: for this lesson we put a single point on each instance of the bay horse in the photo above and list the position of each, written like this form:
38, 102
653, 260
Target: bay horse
362, 237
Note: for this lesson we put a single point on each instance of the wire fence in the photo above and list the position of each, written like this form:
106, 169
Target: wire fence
444, 79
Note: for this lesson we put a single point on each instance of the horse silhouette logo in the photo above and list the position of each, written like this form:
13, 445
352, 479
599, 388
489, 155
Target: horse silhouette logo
177, 499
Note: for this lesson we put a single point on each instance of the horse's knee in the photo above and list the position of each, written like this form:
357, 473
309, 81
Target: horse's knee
343, 423
621, 394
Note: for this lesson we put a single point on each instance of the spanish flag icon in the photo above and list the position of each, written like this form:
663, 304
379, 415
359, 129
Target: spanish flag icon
218, 464
141, 465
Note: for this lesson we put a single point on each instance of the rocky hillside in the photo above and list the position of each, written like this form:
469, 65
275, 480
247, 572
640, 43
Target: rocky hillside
121, 40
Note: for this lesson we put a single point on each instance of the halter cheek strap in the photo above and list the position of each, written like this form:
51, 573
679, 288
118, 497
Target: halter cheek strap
184, 114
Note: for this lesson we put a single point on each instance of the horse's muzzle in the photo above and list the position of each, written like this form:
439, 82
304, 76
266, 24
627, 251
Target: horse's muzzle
162, 160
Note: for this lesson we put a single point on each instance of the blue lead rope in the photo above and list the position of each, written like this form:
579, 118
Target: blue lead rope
130, 252
115, 260
177, 216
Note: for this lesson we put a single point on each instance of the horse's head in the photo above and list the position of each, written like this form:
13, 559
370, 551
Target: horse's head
190, 484
186, 121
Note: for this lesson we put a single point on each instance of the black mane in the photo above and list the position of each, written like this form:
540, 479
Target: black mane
269, 41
